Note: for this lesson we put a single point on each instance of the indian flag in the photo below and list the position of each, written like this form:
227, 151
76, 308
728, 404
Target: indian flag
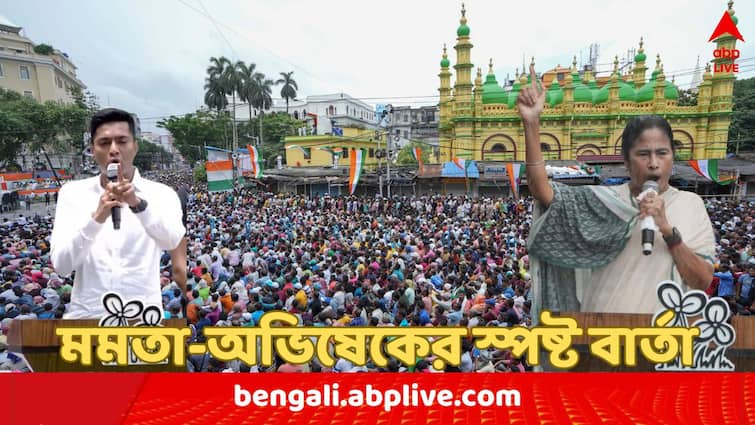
515, 172
708, 168
355, 173
256, 161
219, 170
417, 154
460, 162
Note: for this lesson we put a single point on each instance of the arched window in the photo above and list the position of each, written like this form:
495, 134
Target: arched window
331, 110
296, 115
498, 148
545, 147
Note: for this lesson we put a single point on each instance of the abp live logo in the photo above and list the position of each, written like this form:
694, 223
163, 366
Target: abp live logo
726, 26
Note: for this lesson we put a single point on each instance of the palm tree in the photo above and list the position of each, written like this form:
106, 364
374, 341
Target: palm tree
262, 97
214, 95
288, 91
248, 85
215, 84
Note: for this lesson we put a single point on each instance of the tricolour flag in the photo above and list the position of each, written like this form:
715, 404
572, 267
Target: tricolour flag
515, 172
417, 154
460, 162
219, 170
355, 172
256, 161
708, 168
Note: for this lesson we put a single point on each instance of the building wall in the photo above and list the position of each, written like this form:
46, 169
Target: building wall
50, 77
319, 158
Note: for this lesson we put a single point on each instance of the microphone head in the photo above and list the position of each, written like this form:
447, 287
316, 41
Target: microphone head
112, 170
650, 185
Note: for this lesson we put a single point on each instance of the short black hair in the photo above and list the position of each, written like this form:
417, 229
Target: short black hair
107, 115
637, 125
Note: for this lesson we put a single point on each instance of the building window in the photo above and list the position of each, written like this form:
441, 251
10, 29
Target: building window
2, 71
24, 72
58, 82
331, 110
29, 93
372, 152
498, 148
406, 117
345, 152
406, 134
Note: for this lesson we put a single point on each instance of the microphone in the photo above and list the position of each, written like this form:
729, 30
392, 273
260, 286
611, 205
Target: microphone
648, 224
115, 212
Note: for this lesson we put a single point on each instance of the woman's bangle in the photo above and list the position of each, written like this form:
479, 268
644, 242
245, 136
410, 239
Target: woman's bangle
534, 163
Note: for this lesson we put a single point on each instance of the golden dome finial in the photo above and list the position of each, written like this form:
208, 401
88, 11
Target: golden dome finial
490, 66
731, 3
658, 61
445, 53
642, 42
616, 64
463, 19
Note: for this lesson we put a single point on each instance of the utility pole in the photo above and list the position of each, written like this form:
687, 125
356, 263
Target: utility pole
389, 109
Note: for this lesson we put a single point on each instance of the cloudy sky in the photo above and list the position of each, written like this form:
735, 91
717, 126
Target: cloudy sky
150, 56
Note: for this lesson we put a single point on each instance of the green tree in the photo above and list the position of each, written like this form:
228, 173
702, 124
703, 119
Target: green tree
405, 156
248, 84
288, 91
742, 128
192, 131
216, 84
150, 156
276, 127
43, 49
262, 98
687, 98
24, 121
200, 173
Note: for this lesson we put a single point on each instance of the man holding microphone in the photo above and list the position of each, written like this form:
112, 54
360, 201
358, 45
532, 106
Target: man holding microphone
111, 229
588, 240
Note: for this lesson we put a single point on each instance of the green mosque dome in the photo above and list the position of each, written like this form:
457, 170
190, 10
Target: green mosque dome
492, 92
554, 95
627, 92
671, 92
582, 93
647, 92
601, 95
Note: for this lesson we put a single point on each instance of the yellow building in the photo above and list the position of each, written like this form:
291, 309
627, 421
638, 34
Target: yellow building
318, 151
42, 77
479, 120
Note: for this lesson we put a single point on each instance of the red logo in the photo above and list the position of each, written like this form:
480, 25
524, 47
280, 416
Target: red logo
726, 25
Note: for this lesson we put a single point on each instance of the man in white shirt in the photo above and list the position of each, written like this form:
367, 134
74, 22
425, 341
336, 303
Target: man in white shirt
127, 260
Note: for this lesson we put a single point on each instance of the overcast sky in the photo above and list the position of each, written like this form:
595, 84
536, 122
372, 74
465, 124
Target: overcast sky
150, 56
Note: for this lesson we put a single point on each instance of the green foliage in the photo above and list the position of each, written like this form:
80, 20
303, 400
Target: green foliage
405, 156
192, 131
742, 128
151, 156
200, 173
275, 128
288, 91
23, 120
687, 98
43, 49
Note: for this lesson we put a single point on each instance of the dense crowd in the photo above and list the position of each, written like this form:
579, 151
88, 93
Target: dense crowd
347, 261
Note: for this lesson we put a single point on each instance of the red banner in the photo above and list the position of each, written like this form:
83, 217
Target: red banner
373, 398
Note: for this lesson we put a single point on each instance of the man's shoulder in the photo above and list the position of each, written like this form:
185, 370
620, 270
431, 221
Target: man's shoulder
75, 185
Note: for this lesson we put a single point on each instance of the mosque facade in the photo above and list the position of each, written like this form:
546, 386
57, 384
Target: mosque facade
581, 120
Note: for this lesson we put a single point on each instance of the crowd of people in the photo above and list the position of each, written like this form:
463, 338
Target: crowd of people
347, 261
